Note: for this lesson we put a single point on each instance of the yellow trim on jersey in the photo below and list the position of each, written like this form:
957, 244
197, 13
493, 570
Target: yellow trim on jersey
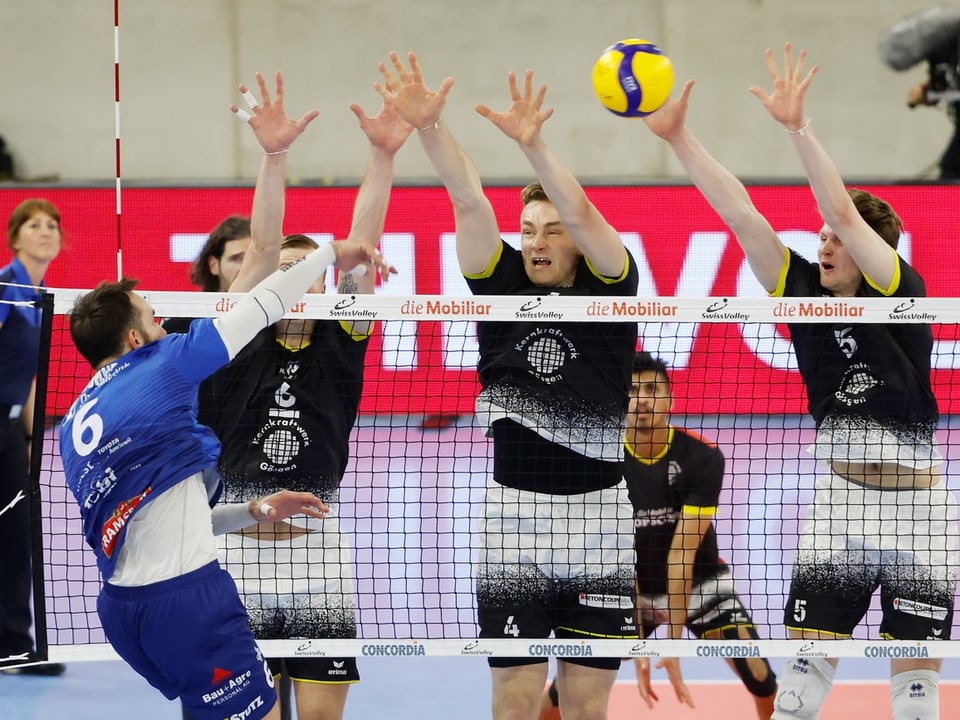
284, 345
490, 268
610, 280
782, 279
595, 635
701, 512
894, 282
823, 632
346, 325
319, 682
659, 456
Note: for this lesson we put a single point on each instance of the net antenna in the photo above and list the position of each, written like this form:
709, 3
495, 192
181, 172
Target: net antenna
116, 123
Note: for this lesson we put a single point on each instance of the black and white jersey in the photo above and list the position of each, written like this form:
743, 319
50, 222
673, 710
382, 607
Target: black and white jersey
685, 478
566, 382
868, 385
285, 416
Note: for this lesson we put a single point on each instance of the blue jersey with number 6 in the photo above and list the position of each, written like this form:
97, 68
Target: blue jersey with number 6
133, 433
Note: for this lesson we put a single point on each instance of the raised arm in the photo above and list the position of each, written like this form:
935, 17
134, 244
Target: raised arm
593, 235
276, 133
478, 237
725, 193
785, 104
387, 132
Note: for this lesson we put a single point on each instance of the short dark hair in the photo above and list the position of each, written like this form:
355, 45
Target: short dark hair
100, 318
532, 193
234, 227
879, 215
26, 210
644, 361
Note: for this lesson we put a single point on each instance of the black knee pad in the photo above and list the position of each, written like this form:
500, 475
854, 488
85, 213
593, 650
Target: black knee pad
759, 688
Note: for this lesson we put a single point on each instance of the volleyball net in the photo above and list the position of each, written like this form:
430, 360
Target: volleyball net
413, 489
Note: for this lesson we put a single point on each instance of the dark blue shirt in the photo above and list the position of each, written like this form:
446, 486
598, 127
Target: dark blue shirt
19, 334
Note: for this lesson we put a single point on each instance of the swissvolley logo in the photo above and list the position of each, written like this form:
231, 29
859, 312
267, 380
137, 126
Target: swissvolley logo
906, 311
717, 310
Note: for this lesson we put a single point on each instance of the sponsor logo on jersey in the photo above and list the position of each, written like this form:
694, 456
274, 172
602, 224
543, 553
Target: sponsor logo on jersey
920, 609
654, 517
620, 602
229, 686
115, 524
257, 702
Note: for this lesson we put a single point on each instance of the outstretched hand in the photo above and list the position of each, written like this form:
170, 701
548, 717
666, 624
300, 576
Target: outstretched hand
523, 119
406, 91
354, 253
287, 503
670, 118
274, 130
785, 103
386, 130
672, 666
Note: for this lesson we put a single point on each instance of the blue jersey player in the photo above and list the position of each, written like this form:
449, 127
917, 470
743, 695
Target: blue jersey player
142, 470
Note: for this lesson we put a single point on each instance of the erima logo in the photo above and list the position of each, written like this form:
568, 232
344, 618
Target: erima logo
219, 675
345, 303
531, 305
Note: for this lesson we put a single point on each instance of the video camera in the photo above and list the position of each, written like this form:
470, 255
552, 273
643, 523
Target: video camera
932, 35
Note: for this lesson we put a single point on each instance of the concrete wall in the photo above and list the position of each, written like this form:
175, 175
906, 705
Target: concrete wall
182, 59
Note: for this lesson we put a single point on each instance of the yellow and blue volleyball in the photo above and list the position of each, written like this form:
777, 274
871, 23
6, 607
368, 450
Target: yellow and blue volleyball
632, 78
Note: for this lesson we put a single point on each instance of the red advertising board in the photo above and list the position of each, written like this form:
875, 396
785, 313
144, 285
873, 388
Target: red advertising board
681, 246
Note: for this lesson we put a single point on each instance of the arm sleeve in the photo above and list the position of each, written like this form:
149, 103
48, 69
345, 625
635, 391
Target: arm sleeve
231, 517
269, 301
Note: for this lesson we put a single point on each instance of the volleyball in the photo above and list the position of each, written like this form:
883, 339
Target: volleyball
632, 78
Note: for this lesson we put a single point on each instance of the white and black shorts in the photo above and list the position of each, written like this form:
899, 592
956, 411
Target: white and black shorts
856, 539
298, 587
556, 563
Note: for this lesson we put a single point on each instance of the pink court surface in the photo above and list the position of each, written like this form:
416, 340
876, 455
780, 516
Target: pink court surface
729, 701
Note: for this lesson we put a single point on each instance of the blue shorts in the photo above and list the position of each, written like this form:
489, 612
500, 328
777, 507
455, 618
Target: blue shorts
189, 638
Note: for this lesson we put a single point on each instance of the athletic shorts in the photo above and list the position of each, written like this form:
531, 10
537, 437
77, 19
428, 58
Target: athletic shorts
713, 605
189, 638
556, 563
300, 587
328, 671
856, 539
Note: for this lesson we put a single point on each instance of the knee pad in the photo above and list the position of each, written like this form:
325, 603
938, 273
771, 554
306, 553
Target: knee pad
760, 688
764, 687
803, 688
915, 695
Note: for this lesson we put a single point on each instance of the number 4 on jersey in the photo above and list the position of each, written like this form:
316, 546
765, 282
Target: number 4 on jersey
511, 628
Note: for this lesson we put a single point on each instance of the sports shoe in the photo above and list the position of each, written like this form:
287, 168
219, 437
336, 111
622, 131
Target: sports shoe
43, 668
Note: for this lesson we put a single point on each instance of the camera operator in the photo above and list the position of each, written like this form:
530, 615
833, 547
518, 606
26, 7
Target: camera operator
942, 84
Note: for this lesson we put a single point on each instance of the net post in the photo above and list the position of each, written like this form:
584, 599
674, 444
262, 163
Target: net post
36, 462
